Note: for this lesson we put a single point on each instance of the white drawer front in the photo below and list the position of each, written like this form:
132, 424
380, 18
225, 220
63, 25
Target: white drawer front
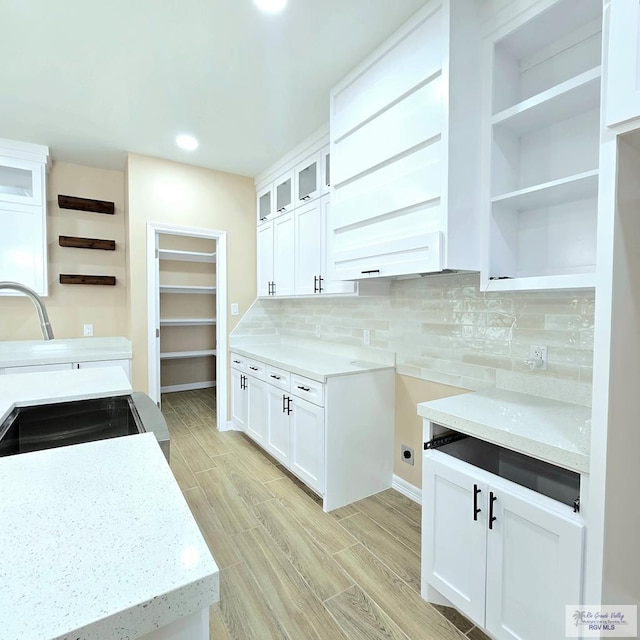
238, 362
255, 369
307, 389
278, 377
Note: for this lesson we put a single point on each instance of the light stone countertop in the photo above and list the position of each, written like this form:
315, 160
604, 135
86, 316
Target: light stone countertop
549, 430
36, 352
310, 363
98, 541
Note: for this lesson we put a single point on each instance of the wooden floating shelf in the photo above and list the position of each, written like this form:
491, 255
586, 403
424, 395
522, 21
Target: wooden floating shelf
87, 243
66, 278
86, 204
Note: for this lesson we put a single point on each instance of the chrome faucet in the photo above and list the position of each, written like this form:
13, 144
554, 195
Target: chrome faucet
45, 325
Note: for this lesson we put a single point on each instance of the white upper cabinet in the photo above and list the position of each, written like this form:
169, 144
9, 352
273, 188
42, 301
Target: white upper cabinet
542, 139
265, 204
23, 215
405, 140
623, 65
264, 247
308, 179
283, 190
325, 170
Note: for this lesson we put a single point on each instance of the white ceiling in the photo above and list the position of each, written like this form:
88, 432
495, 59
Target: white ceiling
93, 80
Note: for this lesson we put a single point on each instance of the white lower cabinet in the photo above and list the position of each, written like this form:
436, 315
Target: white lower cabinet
277, 428
336, 436
505, 556
255, 426
307, 442
238, 398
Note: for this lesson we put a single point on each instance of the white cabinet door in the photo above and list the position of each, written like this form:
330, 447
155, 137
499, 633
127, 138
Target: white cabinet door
327, 284
307, 443
23, 246
255, 409
265, 204
265, 258
283, 193
308, 179
125, 365
277, 428
454, 534
623, 66
283, 254
325, 170
308, 230
534, 568
21, 181
238, 399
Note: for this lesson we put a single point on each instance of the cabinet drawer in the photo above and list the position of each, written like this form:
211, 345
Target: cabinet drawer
278, 377
238, 362
255, 369
307, 389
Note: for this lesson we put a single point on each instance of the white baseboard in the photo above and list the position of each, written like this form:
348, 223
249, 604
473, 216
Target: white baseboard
189, 386
228, 426
406, 489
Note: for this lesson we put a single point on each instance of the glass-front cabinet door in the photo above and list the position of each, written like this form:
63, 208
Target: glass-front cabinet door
283, 188
325, 167
265, 204
308, 179
21, 181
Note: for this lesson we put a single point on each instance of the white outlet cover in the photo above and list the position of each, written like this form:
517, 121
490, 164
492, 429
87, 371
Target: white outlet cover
87, 330
234, 309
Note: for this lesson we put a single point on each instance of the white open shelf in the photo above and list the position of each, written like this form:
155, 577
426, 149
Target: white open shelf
564, 281
186, 322
577, 187
187, 256
165, 288
180, 355
578, 94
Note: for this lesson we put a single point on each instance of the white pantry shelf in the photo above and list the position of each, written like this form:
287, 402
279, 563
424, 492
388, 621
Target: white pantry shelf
181, 355
576, 187
541, 283
166, 288
186, 322
574, 96
186, 256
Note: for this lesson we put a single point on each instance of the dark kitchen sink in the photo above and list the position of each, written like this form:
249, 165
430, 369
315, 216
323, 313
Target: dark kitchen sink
57, 425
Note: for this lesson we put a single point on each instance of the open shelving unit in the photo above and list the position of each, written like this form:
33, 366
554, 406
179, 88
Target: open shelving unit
543, 149
187, 313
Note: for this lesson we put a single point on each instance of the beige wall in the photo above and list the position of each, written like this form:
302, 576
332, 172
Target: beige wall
408, 425
172, 193
71, 306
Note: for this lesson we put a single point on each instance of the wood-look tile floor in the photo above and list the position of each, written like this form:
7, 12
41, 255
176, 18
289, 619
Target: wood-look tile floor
287, 569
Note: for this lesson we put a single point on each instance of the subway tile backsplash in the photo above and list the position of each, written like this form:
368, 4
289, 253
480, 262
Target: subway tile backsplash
443, 328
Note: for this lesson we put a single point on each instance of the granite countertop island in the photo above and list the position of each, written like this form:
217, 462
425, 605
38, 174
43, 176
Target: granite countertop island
549, 430
98, 541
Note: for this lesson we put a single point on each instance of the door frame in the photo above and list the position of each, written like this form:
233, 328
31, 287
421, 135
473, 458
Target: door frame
154, 229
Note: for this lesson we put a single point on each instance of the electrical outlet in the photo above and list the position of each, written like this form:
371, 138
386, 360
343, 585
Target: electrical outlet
538, 355
407, 454
234, 309
88, 330
366, 337
317, 331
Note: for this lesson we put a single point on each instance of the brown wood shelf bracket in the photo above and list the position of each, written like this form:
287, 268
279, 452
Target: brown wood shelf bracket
67, 278
86, 243
86, 204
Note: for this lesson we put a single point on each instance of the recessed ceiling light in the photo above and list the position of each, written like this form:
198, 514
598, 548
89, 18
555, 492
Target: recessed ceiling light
270, 6
187, 142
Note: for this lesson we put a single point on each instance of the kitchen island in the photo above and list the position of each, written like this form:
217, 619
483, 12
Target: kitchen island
97, 539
